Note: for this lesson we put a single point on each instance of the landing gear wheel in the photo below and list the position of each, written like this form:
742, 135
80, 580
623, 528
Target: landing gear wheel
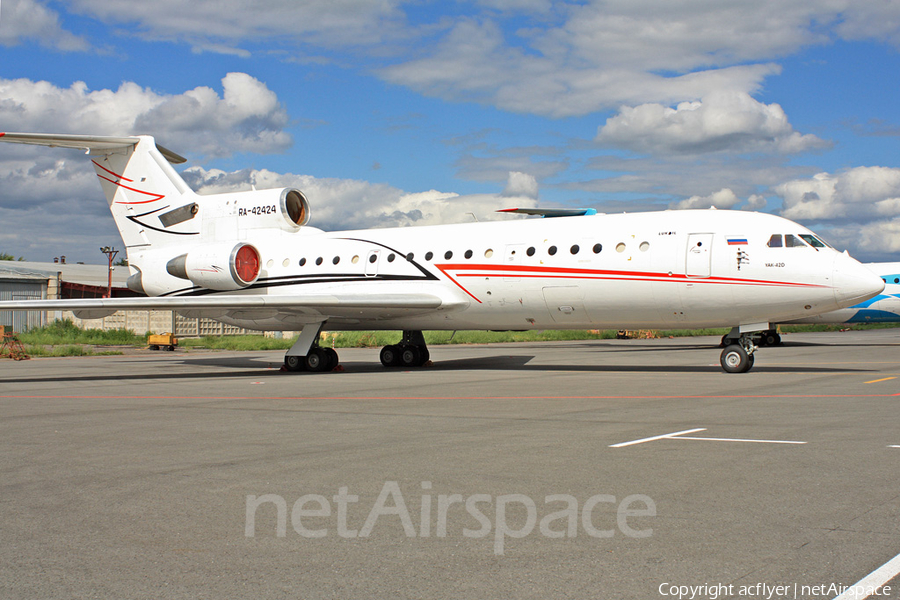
317, 360
295, 363
390, 356
770, 338
332, 357
410, 356
735, 359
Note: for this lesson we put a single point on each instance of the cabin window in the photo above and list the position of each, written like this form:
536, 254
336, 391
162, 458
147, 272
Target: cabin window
410, 256
429, 255
574, 249
775, 241
335, 260
551, 250
448, 254
598, 248
391, 257
644, 246
620, 247
488, 253
530, 251
468, 254
319, 261
373, 257
792, 241
355, 259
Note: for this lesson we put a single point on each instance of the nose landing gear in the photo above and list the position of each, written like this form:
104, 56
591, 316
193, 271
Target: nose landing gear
738, 357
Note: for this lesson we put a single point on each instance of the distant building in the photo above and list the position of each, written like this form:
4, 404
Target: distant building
48, 281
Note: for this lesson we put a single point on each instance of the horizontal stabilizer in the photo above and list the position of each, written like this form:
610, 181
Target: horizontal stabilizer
551, 212
93, 144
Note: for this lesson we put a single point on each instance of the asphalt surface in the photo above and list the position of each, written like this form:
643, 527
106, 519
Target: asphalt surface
603, 469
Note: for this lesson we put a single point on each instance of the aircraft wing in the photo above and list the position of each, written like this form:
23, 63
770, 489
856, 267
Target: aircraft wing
551, 212
297, 309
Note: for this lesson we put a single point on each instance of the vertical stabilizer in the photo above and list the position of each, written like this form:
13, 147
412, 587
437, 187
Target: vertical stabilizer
150, 202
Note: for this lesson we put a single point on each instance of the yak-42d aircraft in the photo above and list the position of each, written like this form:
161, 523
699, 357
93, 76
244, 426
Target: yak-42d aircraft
250, 259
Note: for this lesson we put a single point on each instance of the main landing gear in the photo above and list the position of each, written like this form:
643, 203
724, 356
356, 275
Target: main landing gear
307, 355
317, 360
410, 352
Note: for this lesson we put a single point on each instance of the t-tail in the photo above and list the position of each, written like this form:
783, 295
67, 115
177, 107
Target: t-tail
165, 225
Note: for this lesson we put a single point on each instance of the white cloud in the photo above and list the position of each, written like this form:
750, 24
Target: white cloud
474, 63
31, 20
219, 24
613, 52
521, 185
724, 198
857, 195
721, 121
246, 118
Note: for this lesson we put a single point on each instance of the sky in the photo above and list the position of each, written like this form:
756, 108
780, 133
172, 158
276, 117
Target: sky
393, 113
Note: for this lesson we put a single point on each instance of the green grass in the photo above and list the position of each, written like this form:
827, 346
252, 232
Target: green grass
66, 332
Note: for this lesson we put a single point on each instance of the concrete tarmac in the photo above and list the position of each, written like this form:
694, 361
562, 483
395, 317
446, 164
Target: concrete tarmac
600, 469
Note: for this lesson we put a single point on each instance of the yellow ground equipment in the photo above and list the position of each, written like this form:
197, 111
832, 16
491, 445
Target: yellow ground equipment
162, 341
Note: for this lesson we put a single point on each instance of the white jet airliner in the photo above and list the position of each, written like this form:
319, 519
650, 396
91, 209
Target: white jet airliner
250, 259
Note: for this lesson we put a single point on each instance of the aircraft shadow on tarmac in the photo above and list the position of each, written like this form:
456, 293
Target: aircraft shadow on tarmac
256, 366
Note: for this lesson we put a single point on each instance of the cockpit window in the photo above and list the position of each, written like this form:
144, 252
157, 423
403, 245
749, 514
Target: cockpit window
792, 241
812, 240
775, 241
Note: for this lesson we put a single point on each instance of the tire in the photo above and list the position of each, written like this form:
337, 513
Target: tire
332, 358
390, 356
295, 363
410, 357
727, 341
735, 359
317, 361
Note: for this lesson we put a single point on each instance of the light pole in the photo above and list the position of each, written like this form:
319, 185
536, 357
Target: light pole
111, 255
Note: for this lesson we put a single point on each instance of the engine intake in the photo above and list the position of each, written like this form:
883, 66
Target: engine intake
222, 267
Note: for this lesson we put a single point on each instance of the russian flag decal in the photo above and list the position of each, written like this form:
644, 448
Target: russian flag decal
737, 241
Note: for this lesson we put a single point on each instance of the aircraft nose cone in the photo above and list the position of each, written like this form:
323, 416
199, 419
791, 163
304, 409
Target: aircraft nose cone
854, 283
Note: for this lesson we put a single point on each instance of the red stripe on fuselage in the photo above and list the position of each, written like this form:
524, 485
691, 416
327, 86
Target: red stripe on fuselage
543, 272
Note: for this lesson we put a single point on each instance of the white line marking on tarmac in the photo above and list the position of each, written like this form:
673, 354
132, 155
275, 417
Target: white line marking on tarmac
894, 446
740, 440
682, 435
656, 437
873, 581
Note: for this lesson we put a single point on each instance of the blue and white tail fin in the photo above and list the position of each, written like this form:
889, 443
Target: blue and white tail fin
150, 202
